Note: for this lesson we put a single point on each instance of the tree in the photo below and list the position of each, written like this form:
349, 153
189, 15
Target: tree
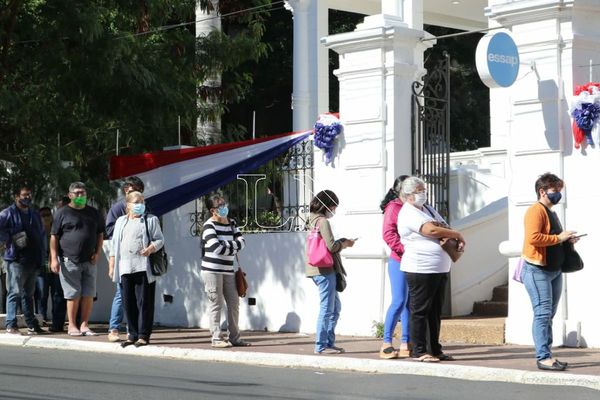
72, 72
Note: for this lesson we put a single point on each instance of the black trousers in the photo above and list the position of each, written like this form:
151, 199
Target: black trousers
426, 298
138, 304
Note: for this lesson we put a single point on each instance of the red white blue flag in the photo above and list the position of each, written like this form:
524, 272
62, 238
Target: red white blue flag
173, 178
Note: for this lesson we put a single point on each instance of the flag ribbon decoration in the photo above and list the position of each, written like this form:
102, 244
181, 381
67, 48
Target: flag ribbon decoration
173, 178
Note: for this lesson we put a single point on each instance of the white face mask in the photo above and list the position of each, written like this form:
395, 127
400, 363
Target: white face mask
420, 198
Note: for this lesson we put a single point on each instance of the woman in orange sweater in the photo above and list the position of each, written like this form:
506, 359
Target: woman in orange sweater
543, 256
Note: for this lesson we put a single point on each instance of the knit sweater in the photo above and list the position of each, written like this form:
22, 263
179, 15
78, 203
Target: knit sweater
390, 229
537, 235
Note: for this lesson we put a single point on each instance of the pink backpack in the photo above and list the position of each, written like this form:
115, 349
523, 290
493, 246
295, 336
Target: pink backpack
316, 249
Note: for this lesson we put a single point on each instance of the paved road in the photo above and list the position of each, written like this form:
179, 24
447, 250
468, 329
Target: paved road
41, 374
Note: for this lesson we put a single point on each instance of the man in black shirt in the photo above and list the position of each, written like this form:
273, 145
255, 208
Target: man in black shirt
75, 246
22, 231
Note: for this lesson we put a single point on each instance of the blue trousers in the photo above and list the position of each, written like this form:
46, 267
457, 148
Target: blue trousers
21, 285
329, 311
398, 309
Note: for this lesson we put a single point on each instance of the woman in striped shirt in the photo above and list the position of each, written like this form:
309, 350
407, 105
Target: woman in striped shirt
221, 241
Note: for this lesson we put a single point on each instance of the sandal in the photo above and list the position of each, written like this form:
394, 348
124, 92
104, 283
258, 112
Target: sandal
388, 353
403, 353
74, 333
427, 358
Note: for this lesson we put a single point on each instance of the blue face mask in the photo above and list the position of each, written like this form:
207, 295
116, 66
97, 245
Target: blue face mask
138, 208
554, 197
223, 211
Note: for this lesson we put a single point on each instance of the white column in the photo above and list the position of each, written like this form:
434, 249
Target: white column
378, 65
305, 59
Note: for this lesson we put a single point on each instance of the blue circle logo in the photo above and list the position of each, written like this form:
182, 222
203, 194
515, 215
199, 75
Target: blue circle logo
498, 60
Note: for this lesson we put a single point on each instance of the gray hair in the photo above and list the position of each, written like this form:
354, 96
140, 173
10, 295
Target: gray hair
409, 186
76, 185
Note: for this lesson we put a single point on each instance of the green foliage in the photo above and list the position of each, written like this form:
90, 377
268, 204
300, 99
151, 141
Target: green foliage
377, 328
73, 72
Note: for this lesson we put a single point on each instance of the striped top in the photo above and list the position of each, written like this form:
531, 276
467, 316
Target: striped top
221, 243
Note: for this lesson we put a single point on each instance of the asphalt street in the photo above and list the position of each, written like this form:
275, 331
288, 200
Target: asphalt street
29, 373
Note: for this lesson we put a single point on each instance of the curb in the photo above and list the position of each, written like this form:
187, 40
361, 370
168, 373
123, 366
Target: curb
315, 362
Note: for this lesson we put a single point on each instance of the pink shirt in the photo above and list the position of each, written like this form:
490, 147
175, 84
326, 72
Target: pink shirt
390, 229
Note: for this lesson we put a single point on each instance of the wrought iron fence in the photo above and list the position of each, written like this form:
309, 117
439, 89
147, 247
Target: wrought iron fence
273, 198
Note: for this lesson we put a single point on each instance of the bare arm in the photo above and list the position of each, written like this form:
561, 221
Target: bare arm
54, 264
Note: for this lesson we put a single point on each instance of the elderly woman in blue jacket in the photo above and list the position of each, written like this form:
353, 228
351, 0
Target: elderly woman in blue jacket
135, 237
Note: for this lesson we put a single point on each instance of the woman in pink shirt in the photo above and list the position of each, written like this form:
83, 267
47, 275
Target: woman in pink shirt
398, 309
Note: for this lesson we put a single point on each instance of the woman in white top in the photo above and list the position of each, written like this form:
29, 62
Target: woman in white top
426, 266
136, 236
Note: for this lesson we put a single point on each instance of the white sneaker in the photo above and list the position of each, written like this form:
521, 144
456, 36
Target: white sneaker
221, 344
113, 336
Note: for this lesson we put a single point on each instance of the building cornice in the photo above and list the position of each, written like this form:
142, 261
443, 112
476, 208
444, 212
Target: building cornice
526, 11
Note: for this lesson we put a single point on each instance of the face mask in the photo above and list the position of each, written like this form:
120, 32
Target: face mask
79, 201
420, 198
138, 208
223, 211
26, 202
329, 214
554, 197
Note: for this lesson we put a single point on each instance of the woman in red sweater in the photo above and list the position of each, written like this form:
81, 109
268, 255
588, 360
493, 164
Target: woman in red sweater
398, 308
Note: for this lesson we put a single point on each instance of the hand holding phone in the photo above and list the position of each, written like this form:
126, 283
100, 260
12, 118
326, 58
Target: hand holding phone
578, 236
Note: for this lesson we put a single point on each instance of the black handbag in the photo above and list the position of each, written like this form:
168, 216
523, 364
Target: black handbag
159, 262
572, 261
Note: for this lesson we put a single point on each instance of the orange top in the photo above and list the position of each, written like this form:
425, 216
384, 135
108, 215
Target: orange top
537, 235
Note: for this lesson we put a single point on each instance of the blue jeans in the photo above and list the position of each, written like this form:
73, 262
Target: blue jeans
21, 286
398, 309
329, 311
41, 294
544, 289
116, 311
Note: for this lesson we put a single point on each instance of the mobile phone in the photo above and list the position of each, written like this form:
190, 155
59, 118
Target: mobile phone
578, 236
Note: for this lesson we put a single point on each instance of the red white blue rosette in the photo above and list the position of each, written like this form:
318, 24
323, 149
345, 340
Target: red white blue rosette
326, 130
585, 110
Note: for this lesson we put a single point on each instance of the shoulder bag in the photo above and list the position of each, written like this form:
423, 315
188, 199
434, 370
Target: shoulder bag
159, 262
241, 283
316, 249
449, 245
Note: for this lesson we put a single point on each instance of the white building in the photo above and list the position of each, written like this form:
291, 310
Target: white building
490, 188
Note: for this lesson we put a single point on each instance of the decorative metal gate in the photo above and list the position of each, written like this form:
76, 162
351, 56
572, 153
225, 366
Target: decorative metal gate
431, 133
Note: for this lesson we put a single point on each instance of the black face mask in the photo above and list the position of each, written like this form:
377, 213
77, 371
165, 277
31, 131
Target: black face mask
26, 202
554, 197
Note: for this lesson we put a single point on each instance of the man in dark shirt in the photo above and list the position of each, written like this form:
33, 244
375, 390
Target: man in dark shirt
75, 245
22, 230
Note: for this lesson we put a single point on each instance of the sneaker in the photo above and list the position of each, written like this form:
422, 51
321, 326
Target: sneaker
113, 336
221, 344
36, 330
13, 331
331, 350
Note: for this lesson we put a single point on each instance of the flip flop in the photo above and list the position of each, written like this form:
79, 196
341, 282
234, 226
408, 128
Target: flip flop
75, 333
427, 358
88, 332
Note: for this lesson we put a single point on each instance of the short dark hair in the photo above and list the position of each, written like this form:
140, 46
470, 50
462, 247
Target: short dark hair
212, 200
135, 182
76, 185
324, 201
548, 181
45, 209
17, 189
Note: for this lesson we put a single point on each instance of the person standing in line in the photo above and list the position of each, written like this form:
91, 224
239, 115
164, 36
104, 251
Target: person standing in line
543, 256
75, 246
3, 291
398, 309
221, 241
426, 266
22, 231
323, 207
136, 236
131, 184
52, 287
42, 283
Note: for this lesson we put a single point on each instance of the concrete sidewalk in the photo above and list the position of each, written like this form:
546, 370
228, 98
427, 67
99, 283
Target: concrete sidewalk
505, 363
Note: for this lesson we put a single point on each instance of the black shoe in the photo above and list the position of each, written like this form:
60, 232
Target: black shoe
556, 366
36, 330
127, 343
566, 364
